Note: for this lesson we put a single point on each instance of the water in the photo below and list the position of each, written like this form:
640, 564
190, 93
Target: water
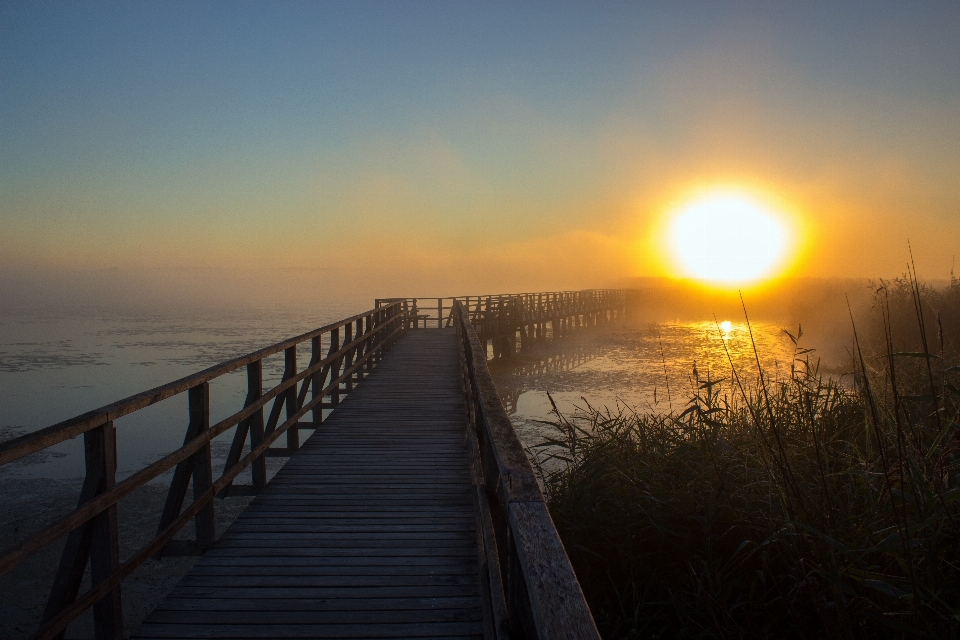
648, 367
56, 366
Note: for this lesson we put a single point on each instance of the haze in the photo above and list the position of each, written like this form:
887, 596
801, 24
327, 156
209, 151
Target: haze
429, 148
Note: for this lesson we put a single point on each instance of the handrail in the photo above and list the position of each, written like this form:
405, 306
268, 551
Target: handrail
509, 319
32, 442
91, 529
530, 587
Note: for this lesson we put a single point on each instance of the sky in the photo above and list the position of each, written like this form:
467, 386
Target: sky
431, 148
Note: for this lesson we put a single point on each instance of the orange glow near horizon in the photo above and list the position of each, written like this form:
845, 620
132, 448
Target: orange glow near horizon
727, 238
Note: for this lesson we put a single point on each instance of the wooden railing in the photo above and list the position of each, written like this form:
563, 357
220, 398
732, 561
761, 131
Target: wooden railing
353, 347
506, 319
530, 587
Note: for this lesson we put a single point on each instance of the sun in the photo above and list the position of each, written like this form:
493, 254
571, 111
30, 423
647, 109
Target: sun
728, 238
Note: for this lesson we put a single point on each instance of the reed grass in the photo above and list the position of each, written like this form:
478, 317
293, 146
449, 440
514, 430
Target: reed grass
793, 507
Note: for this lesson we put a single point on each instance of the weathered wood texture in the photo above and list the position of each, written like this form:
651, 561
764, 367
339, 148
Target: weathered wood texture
369, 531
373, 522
539, 592
91, 529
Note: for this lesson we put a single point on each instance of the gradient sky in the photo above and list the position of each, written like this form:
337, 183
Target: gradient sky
471, 138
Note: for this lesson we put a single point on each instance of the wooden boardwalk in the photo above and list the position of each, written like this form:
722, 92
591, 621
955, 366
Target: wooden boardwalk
370, 531
411, 512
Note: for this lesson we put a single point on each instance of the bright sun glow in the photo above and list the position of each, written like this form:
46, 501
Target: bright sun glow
726, 326
727, 238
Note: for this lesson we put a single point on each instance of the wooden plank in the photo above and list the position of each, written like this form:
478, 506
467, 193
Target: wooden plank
411, 562
368, 530
289, 581
326, 593
239, 600
375, 570
259, 616
368, 630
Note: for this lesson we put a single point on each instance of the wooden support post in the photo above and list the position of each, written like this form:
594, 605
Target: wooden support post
96, 540
316, 380
439, 313
366, 346
105, 540
348, 357
359, 350
290, 371
335, 367
258, 468
380, 319
198, 398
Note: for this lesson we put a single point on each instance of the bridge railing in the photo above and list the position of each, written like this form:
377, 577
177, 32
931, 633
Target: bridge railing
528, 307
353, 347
504, 320
530, 588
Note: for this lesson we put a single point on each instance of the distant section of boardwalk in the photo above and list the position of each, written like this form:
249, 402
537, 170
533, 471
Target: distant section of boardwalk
370, 531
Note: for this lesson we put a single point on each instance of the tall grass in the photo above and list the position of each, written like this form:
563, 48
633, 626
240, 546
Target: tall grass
795, 507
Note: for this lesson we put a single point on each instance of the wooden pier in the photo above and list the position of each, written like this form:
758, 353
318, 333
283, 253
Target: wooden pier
368, 532
411, 512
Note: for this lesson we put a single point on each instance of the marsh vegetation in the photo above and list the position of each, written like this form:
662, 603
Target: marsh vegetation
795, 506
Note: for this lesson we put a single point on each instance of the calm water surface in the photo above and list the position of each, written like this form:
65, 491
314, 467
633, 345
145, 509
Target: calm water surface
643, 366
53, 367
56, 366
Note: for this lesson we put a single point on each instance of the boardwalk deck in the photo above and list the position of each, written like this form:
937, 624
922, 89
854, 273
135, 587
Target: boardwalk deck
369, 531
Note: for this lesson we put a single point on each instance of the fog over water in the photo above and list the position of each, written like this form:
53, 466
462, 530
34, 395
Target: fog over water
55, 365
643, 366
60, 361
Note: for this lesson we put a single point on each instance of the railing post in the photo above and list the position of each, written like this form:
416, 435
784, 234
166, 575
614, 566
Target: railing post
96, 540
258, 468
379, 320
348, 356
369, 344
290, 371
335, 366
198, 398
359, 349
105, 542
316, 380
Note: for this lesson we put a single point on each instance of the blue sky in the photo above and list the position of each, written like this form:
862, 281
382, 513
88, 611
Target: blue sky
202, 133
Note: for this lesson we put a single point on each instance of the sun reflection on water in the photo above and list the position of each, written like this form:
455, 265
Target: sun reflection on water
650, 367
